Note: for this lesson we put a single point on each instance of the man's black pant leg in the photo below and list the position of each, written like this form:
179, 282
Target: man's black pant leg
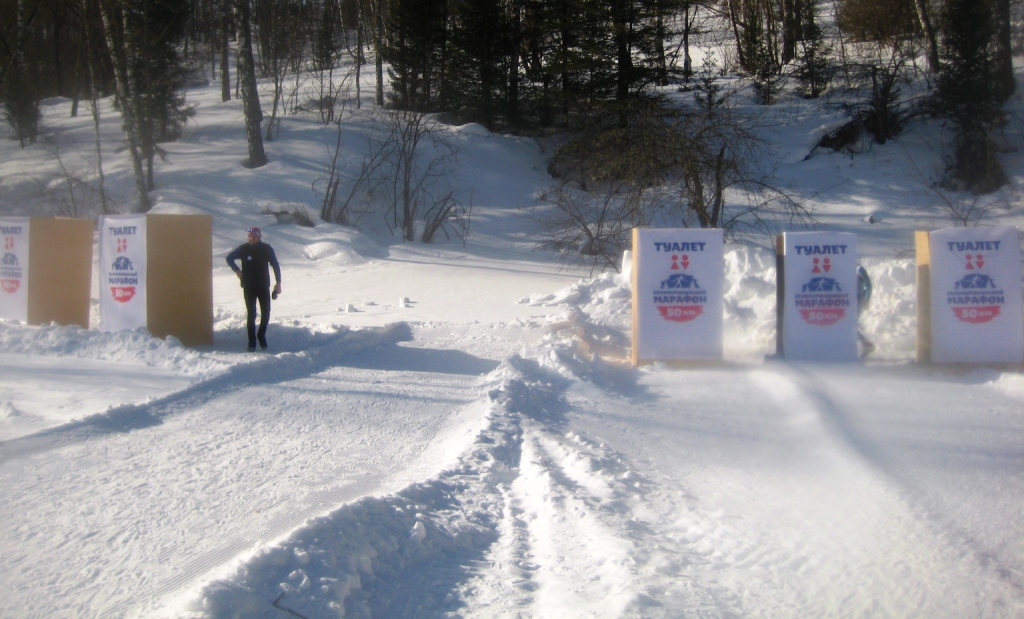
262, 296
264, 299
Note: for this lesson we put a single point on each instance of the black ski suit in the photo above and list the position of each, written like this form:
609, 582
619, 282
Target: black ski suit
256, 257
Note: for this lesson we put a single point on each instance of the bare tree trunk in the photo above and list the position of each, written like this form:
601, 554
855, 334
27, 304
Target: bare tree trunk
360, 25
250, 94
1004, 56
225, 71
734, 18
278, 77
719, 199
928, 30
564, 20
80, 68
685, 43
22, 101
92, 62
114, 30
771, 30
513, 71
412, 172
791, 10
659, 47
845, 64
379, 42
621, 26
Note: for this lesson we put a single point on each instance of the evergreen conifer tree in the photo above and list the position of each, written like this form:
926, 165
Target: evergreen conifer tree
476, 84
968, 93
814, 69
414, 49
708, 92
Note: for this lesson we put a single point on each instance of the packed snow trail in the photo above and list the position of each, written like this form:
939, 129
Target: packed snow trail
391, 480
945, 451
520, 519
584, 498
296, 434
784, 495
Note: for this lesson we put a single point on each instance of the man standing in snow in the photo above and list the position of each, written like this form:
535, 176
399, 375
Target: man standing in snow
256, 256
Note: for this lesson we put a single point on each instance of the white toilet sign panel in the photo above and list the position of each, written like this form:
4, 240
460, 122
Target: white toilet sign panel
820, 296
976, 295
677, 294
122, 278
14, 237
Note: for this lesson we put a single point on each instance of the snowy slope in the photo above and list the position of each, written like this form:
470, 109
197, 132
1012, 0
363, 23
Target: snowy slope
451, 430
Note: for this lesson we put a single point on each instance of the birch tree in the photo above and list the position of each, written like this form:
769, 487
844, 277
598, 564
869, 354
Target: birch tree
250, 94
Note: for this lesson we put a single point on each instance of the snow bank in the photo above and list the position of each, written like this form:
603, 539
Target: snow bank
889, 320
136, 346
426, 538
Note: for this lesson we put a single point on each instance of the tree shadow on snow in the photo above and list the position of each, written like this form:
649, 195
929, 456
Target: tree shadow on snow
398, 358
372, 349
390, 356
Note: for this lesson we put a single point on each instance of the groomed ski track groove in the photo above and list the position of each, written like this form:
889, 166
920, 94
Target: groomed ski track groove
321, 378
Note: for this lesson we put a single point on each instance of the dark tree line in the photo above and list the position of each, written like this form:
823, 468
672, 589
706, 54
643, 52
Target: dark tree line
496, 61
503, 63
87, 49
535, 62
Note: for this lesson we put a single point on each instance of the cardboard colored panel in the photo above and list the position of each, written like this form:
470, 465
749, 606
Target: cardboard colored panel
180, 277
60, 275
924, 297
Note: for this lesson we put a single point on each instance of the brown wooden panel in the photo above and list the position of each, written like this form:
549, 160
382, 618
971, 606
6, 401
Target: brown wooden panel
179, 277
60, 271
924, 296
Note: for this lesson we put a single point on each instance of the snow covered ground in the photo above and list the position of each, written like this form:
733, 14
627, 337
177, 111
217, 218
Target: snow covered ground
451, 430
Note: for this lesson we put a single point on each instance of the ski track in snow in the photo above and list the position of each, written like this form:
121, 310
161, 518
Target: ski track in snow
535, 518
913, 457
530, 514
816, 519
499, 470
300, 458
